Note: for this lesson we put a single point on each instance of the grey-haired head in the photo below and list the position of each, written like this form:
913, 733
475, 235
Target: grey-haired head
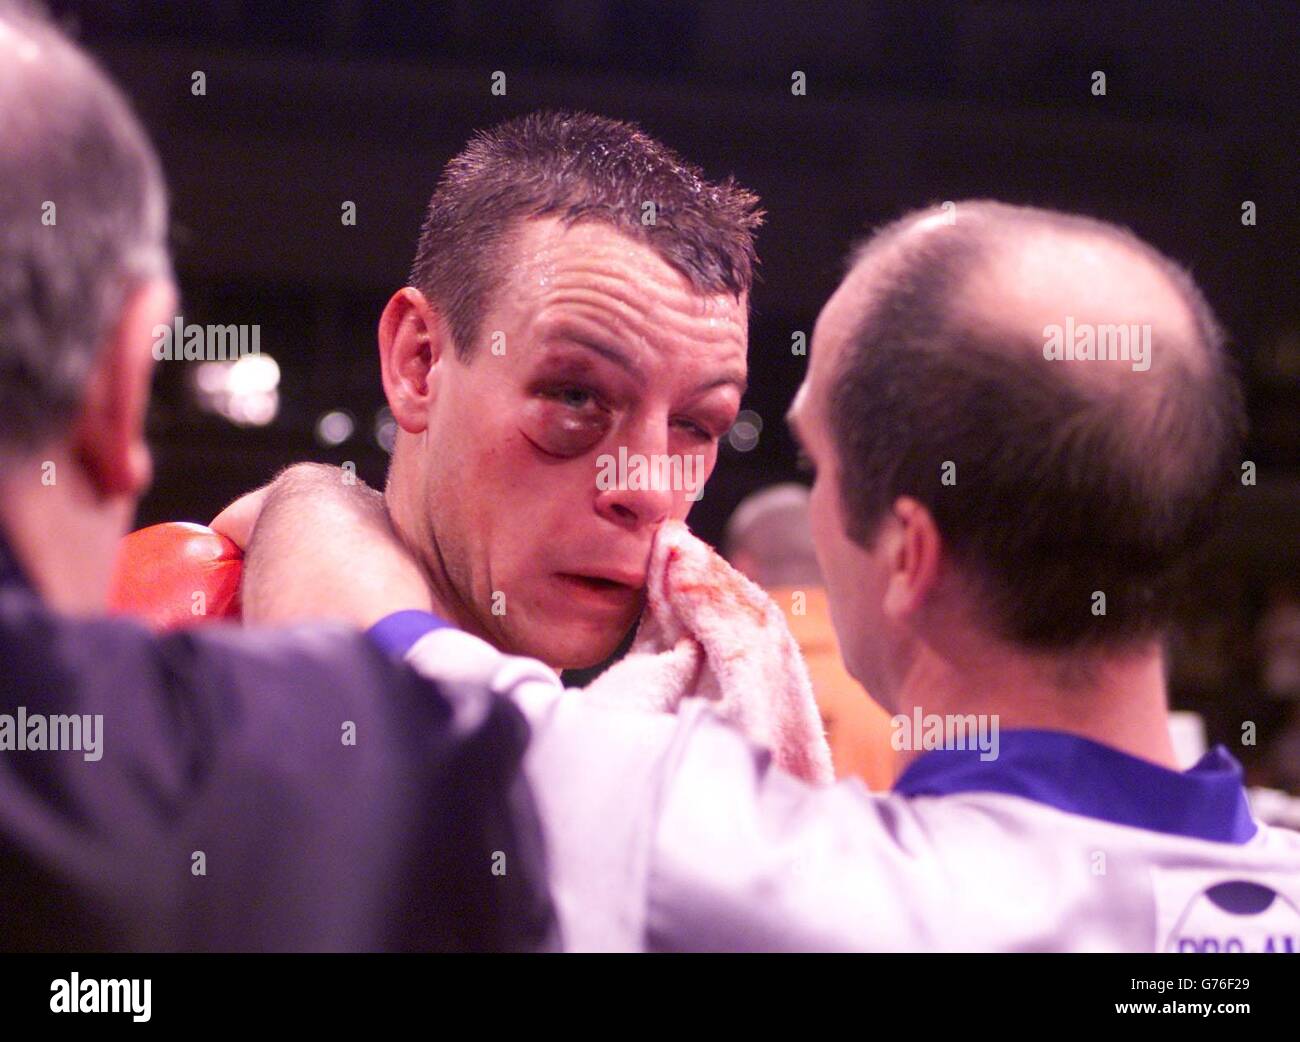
83, 218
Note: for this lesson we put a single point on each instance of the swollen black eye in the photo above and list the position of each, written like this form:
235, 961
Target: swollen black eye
566, 421
575, 396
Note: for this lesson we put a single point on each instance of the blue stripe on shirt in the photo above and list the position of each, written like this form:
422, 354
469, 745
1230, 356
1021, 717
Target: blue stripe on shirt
398, 632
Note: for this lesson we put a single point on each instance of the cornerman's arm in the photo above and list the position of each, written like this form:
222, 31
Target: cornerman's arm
322, 547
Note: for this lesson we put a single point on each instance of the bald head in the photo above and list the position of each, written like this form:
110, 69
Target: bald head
1018, 271
1037, 281
1055, 391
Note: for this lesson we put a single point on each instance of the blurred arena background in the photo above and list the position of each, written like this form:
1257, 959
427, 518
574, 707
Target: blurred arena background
309, 105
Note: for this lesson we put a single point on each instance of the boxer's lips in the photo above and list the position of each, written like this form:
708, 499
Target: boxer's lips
613, 588
609, 577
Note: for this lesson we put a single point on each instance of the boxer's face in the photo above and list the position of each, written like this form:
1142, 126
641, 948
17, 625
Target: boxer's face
855, 577
601, 346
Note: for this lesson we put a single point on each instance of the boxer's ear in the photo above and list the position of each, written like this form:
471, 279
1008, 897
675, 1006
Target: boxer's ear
414, 342
107, 436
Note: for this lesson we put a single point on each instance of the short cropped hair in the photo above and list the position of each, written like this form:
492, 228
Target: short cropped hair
1064, 487
83, 219
577, 167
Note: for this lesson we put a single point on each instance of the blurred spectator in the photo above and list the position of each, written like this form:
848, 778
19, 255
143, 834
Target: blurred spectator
1277, 640
768, 539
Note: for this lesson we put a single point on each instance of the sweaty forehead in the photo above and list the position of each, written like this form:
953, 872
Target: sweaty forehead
593, 274
546, 254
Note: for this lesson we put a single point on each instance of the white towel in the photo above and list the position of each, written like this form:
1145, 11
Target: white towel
708, 632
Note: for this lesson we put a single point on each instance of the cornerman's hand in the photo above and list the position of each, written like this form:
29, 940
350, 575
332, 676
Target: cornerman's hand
236, 522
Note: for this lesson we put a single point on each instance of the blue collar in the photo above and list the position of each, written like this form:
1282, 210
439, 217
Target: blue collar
1080, 776
398, 632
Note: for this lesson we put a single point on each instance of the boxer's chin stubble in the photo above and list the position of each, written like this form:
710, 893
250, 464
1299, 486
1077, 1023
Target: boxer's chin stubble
560, 645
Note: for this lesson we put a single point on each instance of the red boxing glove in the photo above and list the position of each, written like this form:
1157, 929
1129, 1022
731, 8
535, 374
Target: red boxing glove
176, 574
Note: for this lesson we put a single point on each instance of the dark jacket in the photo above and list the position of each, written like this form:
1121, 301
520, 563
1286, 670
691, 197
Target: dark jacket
224, 751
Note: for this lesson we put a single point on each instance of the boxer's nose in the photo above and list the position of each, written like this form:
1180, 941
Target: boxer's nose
635, 508
640, 481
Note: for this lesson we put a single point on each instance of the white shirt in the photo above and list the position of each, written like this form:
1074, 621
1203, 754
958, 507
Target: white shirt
676, 833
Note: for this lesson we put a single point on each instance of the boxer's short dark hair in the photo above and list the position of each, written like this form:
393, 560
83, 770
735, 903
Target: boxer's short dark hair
1063, 488
577, 167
